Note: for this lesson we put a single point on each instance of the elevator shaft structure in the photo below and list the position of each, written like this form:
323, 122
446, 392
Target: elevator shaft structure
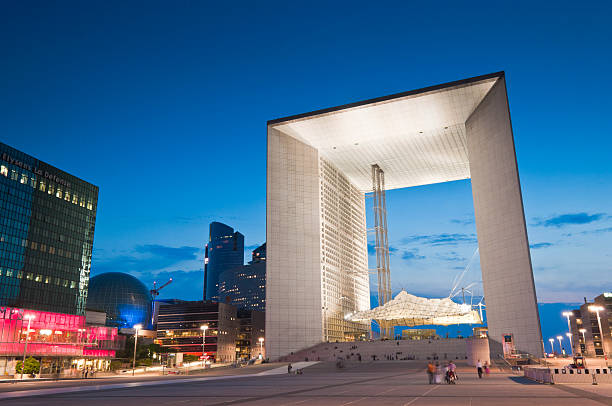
382, 242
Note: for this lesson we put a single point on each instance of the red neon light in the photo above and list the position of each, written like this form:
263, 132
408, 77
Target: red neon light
69, 336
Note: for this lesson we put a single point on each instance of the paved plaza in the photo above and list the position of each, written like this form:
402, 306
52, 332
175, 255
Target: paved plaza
378, 383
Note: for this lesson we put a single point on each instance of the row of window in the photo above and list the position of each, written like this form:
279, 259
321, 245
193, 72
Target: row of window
47, 186
31, 276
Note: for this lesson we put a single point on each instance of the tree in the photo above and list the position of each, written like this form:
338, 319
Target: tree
32, 366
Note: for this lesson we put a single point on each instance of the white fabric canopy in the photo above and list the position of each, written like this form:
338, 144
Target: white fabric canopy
409, 310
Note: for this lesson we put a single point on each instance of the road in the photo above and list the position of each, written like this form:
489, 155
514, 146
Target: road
380, 383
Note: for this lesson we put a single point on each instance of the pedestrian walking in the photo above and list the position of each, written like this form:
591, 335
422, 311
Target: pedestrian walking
486, 368
479, 369
438, 374
431, 370
289, 367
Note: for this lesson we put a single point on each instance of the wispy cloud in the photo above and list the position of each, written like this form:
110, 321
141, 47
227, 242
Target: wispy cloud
451, 256
463, 222
145, 258
587, 232
563, 220
411, 255
440, 239
539, 245
170, 253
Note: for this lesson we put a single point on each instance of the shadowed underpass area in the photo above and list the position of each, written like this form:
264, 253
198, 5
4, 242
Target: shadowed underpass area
380, 383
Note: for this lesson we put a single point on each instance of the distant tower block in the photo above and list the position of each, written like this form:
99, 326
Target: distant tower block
318, 171
382, 242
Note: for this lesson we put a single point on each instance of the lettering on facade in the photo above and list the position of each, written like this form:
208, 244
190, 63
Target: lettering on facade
39, 172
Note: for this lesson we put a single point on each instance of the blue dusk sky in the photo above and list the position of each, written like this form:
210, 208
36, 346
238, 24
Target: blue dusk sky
164, 105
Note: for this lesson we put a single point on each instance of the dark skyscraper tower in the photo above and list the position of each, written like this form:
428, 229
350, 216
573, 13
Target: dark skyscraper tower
225, 250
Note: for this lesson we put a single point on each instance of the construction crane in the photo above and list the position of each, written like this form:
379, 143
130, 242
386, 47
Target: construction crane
154, 294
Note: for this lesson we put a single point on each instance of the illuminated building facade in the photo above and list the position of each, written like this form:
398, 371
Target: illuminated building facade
319, 168
55, 338
245, 286
251, 327
587, 338
224, 251
179, 328
47, 220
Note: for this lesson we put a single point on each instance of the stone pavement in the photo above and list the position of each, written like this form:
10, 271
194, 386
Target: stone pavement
377, 383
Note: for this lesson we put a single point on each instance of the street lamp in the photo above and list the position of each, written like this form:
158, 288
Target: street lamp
552, 345
25, 348
136, 327
261, 341
560, 345
598, 309
583, 330
203, 327
569, 336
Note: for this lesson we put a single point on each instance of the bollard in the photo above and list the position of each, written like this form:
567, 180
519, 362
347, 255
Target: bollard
594, 379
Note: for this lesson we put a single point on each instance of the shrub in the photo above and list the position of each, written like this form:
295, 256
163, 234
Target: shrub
32, 366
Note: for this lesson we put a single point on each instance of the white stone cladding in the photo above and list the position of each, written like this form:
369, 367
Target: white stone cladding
319, 166
293, 268
344, 260
505, 260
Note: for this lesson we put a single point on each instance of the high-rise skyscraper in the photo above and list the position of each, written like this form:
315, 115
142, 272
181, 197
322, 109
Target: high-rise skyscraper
225, 250
47, 220
245, 286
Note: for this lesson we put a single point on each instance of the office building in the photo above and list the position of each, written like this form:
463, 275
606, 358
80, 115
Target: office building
251, 329
245, 286
587, 338
224, 251
179, 328
321, 164
47, 220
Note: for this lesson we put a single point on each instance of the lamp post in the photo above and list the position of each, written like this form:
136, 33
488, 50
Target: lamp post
552, 345
560, 344
136, 327
583, 330
598, 309
203, 327
25, 348
261, 341
569, 336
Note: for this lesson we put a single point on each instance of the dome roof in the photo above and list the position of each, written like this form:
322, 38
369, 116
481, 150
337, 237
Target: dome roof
124, 298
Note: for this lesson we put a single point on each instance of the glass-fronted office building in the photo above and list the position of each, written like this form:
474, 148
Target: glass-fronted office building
245, 286
179, 328
47, 220
225, 250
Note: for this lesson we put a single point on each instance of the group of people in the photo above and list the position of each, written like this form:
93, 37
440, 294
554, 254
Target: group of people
435, 372
482, 368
